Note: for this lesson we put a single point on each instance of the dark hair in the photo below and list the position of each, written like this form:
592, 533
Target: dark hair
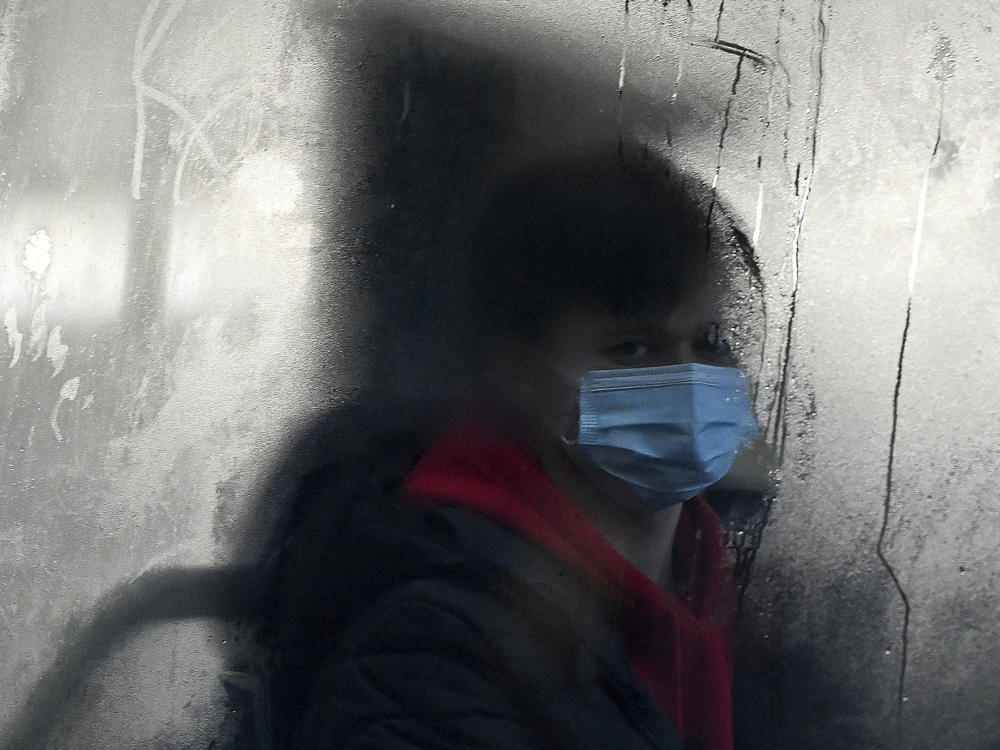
585, 231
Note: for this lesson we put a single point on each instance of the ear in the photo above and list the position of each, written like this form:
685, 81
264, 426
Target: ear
510, 375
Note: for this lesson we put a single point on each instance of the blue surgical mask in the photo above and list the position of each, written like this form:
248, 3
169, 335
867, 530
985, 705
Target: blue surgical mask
668, 432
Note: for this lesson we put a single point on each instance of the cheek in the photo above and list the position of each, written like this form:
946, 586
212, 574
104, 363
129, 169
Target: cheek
562, 410
571, 417
550, 405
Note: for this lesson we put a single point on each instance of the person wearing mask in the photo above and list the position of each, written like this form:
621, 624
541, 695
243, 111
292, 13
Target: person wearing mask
547, 573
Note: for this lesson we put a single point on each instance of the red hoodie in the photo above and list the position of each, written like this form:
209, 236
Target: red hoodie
678, 643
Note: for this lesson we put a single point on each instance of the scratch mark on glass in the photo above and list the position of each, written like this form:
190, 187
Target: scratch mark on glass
141, 50
719, 151
14, 336
746, 545
748, 254
772, 64
621, 79
68, 392
194, 126
196, 133
918, 232
657, 43
757, 221
38, 331
56, 351
788, 81
145, 45
758, 215
624, 58
760, 60
689, 13
780, 422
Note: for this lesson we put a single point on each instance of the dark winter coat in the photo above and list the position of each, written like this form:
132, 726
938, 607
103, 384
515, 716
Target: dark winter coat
471, 637
413, 625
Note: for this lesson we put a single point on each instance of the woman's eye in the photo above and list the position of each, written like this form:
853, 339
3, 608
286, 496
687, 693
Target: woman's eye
631, 351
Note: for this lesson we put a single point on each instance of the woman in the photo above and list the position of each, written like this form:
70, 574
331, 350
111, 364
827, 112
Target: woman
547, 574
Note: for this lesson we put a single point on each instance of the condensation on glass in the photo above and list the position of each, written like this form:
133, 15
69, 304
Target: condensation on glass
185, 290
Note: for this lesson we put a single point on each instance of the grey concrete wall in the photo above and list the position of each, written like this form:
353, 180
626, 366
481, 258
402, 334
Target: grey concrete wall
220, 233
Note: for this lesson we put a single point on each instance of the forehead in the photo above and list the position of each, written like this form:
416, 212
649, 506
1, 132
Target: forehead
667, 319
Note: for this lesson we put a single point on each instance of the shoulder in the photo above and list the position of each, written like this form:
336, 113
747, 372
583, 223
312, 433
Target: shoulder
423, 663
479, 639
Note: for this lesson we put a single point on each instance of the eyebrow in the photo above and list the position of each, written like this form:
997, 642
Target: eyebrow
657, 328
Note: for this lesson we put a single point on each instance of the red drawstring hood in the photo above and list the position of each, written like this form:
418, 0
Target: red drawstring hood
678, 643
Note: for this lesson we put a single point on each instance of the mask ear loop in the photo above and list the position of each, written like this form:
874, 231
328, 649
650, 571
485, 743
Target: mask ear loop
574, 419
573, 416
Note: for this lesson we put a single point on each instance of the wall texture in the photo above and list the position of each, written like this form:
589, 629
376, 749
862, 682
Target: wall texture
220, 232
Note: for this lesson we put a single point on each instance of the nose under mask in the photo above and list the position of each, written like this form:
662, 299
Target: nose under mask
665, 432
